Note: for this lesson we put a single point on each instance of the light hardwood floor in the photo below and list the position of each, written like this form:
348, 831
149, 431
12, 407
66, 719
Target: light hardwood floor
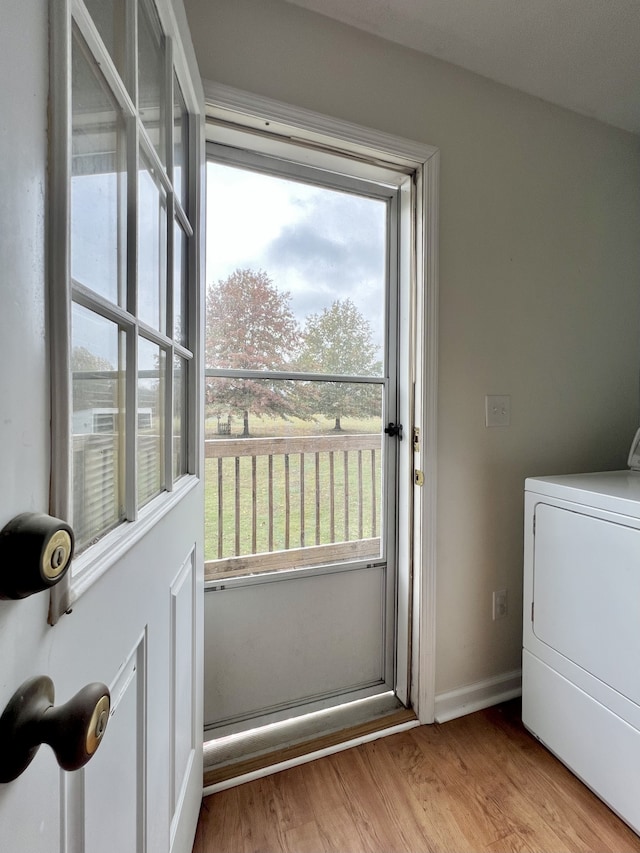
479, 783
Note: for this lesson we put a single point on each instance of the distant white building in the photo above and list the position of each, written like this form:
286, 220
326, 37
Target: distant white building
103, 420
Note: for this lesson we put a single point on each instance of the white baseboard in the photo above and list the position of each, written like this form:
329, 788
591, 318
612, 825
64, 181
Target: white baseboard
479, 695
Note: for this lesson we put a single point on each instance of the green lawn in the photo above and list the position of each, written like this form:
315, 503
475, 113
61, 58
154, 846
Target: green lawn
263, 427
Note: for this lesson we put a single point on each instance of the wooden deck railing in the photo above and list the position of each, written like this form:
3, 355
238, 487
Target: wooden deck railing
283, 502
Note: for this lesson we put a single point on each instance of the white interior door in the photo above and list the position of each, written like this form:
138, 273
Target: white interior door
302, 403
125, 455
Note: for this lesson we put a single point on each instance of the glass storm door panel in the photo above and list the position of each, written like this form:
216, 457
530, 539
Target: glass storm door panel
300, 475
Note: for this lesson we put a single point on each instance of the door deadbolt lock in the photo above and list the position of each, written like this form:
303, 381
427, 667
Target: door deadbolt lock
418, 478
35, 554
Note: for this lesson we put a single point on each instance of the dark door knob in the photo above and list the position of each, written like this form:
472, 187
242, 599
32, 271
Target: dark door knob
35, 554
74, 730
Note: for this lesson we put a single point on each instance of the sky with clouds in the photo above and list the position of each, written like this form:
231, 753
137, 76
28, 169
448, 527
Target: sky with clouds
316, 243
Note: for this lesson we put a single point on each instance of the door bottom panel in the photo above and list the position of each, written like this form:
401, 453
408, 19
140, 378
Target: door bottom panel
293, 643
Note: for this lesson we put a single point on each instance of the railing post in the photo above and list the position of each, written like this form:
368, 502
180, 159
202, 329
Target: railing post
360, 507
374, 518
270, 500
237, 514
346, 495
317, 498
332, 498
220, 508
254, 508
287, 502
302, 500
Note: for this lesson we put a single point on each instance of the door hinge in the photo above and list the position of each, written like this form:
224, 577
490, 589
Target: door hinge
418, 478
393, 430
416, 440
534, 525
532, 604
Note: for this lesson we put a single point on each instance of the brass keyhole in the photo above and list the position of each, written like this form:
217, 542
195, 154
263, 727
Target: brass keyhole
56, 555
58, 558
101, 725
98, 724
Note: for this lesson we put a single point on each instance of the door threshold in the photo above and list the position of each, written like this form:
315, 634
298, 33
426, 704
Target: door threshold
297, 752
237, 742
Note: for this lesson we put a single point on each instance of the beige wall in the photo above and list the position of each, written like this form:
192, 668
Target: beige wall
539, 283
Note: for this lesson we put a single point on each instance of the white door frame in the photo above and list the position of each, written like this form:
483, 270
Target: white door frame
319, 131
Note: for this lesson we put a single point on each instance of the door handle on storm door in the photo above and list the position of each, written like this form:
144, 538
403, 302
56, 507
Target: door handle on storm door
74, 730
394, 430
35, 554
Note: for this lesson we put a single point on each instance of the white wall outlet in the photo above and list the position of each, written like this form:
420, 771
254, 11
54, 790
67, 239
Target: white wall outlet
497, 409
499, 604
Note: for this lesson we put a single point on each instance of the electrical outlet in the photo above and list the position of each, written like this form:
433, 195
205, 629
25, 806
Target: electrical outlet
497, 410
499, 604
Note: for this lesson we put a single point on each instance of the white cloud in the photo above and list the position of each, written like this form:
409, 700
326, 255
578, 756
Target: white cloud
316, 243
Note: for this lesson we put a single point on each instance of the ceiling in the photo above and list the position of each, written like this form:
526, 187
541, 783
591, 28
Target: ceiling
580, 54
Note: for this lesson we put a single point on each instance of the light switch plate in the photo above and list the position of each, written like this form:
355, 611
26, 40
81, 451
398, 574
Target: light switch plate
497, 410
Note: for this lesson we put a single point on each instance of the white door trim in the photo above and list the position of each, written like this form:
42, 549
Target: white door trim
320, 130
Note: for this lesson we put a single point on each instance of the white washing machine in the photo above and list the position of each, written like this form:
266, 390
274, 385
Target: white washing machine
581, 638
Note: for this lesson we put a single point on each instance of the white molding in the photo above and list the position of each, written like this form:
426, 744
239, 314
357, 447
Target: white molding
426, 553
220, 99
479, 695
225, 103
305, 759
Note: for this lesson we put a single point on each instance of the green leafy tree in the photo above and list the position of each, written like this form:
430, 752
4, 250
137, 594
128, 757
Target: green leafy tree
340, 341
249, 326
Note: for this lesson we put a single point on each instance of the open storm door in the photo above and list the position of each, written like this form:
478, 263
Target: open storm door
302, 437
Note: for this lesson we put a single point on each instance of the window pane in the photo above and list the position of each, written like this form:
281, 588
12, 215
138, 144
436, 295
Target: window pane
151, 394
109, 18
97, 363
152, 249
98, 183
293, 468
151, 95
298, 275
180, 143
180, 285
179, 417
